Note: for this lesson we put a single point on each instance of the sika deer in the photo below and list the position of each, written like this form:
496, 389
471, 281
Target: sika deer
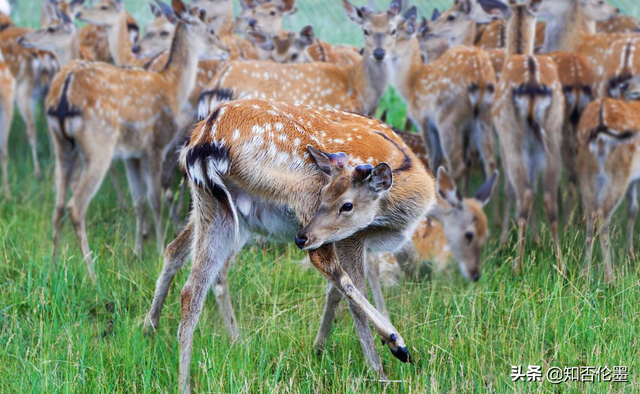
7, 92
528, 114
608, 148
356, 88
97, 112
448, 100
345, 210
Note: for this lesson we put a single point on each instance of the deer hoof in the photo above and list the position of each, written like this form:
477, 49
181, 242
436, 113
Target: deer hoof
402, 354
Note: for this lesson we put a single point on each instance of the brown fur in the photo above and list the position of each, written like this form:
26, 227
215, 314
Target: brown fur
608, 158
528, 113
619, 24
7, 93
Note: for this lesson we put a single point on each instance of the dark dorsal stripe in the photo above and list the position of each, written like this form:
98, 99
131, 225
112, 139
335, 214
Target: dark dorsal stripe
519, 18
406, 163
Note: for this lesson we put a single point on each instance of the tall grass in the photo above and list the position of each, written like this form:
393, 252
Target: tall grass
59, 332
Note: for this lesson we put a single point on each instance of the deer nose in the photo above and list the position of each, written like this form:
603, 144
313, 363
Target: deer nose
618, 10
135, 49
379, 54
20, 40
475, 276
253, 22
301, 240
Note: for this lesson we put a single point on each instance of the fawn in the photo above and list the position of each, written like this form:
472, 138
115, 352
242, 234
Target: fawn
608, 163
344, 209
97, 112
528, 113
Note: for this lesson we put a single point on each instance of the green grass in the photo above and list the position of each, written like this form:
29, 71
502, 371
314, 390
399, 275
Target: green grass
59, 332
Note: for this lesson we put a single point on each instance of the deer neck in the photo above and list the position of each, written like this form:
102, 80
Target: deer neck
70, 52
405, 65
182, 65
369, 79
520, 34
565, 30
468, 39
120, 42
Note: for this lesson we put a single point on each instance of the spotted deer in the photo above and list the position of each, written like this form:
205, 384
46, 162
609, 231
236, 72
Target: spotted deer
355, 88
370, 197
619, 24
265, 16
99, 112
608, 158
157, 37
96, 40
32, 70
7, 92
528, 113
448, 100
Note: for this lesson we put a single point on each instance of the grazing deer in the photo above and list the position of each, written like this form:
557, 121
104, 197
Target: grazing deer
98, 111
7, 92
448, 100
608, 158
528, 113
355, 88
343, 209
460, 230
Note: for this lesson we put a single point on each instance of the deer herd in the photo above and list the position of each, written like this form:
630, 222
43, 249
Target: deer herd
274, 132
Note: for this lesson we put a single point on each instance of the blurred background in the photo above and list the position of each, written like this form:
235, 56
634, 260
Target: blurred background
327, 16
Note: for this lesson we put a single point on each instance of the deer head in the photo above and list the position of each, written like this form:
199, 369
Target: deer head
58, 35
350, 201
105, 13
158, 34
218, 11
598, 10
285, 48
264, 15
464, 222
379, 29
460, 20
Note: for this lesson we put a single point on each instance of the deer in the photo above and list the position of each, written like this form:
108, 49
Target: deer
619, 24
7, 92
462, 75
99, 112
356, 88
32, 70
157, 37
608, 146
369, 196
631, 89
528, 114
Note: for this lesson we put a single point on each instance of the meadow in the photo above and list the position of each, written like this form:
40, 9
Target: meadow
61, 332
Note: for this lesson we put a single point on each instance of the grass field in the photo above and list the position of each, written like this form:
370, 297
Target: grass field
59, 332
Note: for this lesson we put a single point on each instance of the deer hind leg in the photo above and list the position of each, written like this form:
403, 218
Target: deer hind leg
326, 261
6, 117
632, 213
213, 246
485, 144
113, 174
97, 157
551, 187
137, 187
519, 175
175, 256
432, 140
453, 148
26, 105
333, 298
153, 180
65, 158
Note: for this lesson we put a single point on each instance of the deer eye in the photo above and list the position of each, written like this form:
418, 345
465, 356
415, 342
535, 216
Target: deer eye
469, 236
50, 30
164, 33
451, 18
104, 8
366, 32
346, 207
393, 33
294, 56
272, 13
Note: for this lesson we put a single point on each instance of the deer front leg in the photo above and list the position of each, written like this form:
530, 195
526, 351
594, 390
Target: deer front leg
605, 244
175, 256
326, 261
551, 187
591, 222
113, 174
373, 274
152, 166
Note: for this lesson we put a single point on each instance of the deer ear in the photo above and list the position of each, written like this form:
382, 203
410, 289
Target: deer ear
466, 6
157, 13
353, 12
166, 10
307, 35
260, 39
486, 190
447, 189
495, 8
534, 5
288, 6
180, 9
381, 178
119, 5
435, 15
328, 162
395, 7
